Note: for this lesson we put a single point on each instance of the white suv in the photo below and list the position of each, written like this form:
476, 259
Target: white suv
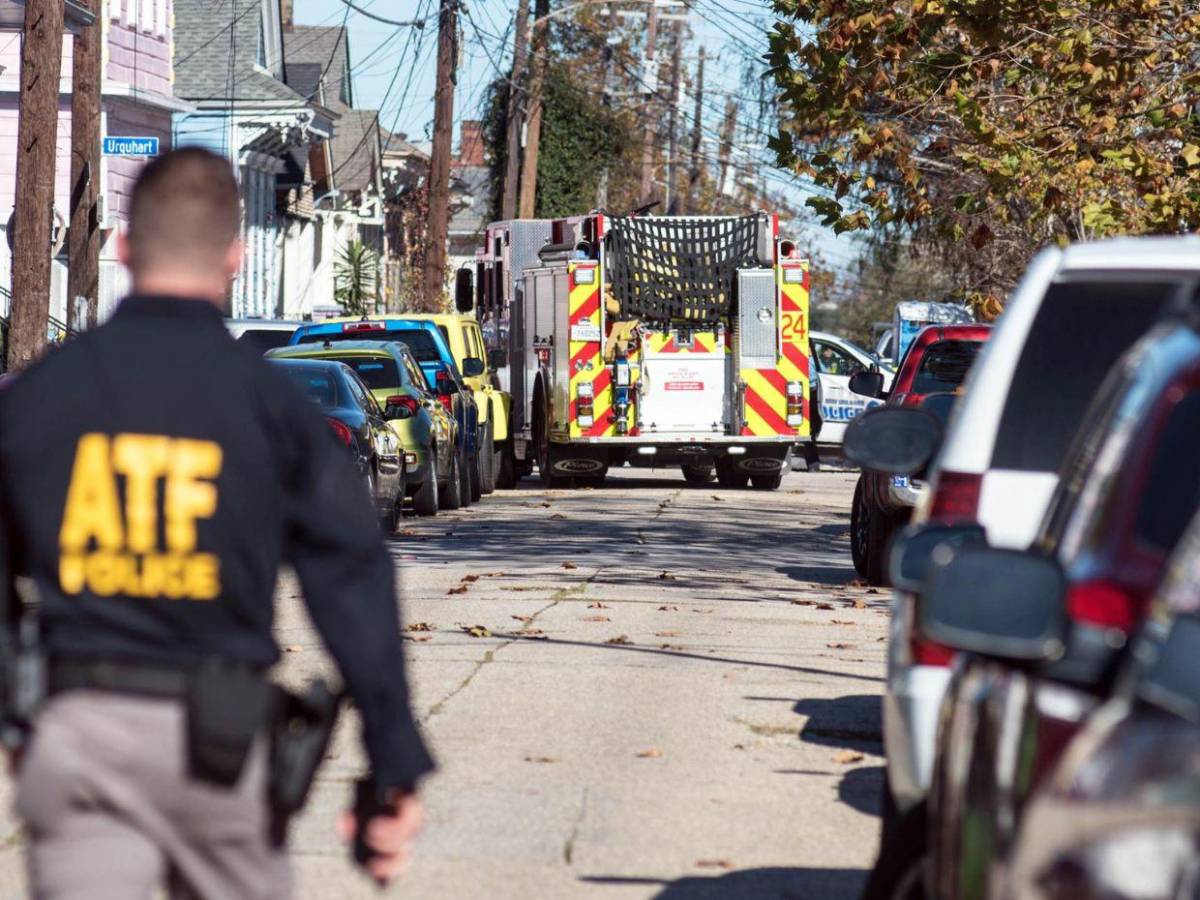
1073, 314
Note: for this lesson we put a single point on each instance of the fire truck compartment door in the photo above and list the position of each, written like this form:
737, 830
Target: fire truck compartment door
758, 319
682, 390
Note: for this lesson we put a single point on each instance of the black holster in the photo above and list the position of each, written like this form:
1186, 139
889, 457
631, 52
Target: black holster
227, 706
302, 726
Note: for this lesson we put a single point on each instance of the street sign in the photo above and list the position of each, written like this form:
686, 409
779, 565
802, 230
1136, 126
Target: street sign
131, 146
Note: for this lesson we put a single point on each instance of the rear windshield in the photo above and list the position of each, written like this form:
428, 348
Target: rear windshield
379, 373
419, 341
1075, 338
263, 339
944, 366
318, 386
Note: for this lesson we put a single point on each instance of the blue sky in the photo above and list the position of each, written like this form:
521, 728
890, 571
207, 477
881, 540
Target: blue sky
735, 31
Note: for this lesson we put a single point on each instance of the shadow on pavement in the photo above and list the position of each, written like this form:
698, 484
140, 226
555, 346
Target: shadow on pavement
854, 722
753, 884
862, 789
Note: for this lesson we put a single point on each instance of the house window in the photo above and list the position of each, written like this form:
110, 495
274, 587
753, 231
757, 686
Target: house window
262, 43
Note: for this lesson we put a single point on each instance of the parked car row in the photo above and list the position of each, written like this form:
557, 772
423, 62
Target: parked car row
1042, 715
412, 398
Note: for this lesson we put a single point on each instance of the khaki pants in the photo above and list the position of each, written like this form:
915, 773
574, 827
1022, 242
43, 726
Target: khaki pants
111, 812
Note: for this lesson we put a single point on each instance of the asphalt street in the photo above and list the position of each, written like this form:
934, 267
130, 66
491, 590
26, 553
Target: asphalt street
639, 691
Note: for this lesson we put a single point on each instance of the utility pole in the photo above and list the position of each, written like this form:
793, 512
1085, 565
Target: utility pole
512, 169
689, 199
439, 159
673, 123
727, 129
83, 238
37, 131
533, 128
651, 121
609, 53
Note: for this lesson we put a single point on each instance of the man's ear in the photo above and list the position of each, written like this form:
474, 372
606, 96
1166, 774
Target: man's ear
124, 250
233, 259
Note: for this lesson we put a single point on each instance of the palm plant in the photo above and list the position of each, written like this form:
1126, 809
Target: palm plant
356, 278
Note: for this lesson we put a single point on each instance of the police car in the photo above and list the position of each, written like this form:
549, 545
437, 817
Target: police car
836, 360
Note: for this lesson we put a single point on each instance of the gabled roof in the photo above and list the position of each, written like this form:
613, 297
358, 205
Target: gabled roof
327, 47
355, 149
216, 54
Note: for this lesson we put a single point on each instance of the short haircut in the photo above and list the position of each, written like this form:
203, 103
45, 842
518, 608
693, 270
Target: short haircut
184, 211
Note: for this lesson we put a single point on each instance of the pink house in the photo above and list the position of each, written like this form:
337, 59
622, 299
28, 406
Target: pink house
138, 101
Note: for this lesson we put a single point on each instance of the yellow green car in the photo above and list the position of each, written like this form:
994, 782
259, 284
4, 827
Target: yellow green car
496, 460
427, 435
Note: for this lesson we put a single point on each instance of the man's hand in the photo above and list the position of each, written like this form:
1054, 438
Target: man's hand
389, 835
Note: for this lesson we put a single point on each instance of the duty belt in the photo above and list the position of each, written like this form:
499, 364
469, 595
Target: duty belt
119, 677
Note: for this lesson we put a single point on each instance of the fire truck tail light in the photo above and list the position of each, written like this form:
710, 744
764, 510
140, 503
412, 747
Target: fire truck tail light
585, 275
584, 396
793, 275
795, 403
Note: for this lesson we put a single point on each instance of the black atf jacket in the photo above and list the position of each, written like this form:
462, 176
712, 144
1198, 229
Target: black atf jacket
154, 474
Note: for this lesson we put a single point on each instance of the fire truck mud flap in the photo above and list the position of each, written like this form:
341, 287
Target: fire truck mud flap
571, 461
761, 462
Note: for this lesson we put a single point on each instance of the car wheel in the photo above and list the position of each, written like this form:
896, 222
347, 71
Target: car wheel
880, 527
466, 473
506, 472
899, 872
450, 496
728, 476
489, 460
595, 480
545, 455
858, 531
425, 500
698, 475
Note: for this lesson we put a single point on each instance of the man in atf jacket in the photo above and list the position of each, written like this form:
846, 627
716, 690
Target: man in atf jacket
153, 478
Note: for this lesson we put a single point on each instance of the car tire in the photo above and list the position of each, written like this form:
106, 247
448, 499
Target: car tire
899, 872
697, 476
594, 480
545, 454
728, 476
858, 534
506, 466
425, 500
466, 475
880, 528
477, 479
489, 460
450, 496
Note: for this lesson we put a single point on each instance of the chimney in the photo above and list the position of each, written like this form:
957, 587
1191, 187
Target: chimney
285, 15
470, 150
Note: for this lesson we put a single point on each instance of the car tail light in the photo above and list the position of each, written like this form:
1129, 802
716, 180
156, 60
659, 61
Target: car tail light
1102, 603
363, 326
341, 430
795, 403
404, 402
584, 410
956, 497
927, 653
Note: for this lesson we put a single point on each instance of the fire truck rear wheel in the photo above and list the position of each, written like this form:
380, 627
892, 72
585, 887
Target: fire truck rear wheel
698, 475
728, 476
594, 480
767, 482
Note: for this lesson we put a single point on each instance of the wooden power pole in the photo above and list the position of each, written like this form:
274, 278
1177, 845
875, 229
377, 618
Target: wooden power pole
439, 160
512, 162
37, 131
533, 127
648, 113
673, 123
83, 238
689, 198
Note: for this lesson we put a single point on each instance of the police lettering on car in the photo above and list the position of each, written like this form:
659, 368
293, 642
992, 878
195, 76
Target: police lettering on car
154, 476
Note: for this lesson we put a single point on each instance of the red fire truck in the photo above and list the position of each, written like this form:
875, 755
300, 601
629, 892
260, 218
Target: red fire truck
652, 341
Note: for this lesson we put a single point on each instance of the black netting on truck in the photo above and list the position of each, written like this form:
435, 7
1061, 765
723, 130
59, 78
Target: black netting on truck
679, 270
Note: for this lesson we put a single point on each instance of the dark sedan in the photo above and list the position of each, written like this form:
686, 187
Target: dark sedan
355, 419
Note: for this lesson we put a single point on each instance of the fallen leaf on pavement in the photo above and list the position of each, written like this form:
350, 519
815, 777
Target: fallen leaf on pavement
596, 619
422, 626
408, 532
802, 602
670, 647
470, 579
293, 648
652, 753
641, 538
666, 576
531, 632
526, 619
418, 638
476, 631
739, 746
840, 646
848, 756
718, 499
619, 639
569, 565
856, 582
873, 591
703, 611
666, 634
461, 589
541, 759
714, 864
597, 605
668, 609
860, 604
824, 606
841, 622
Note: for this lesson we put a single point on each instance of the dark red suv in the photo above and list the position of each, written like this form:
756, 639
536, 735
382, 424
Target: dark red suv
936, 362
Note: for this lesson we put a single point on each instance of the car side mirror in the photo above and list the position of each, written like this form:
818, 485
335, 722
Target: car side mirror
497, 358
1004, 604
921, 549
869, 384
473, 366
464, 290
896, 439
